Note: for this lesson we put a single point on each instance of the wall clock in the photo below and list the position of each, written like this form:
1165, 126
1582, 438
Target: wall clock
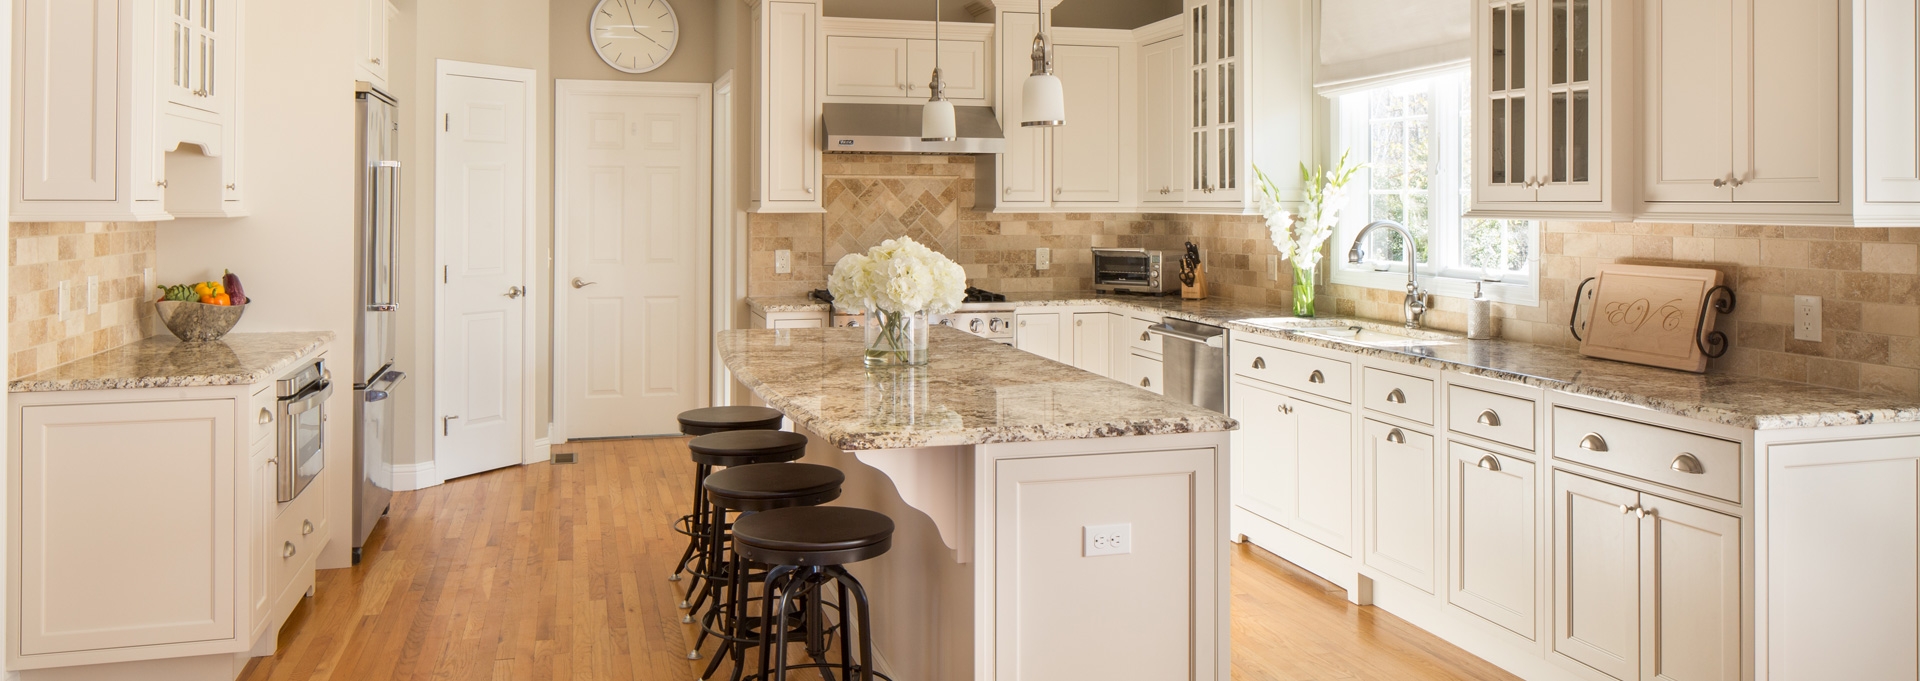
635, 36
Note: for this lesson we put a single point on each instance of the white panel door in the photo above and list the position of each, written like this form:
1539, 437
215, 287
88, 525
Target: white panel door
1163, 71
1596, 580
1690, 593
1787, 144
867, 67
1093, 342
1040, 334
1023, 168
1398, 474
126, 525
1086, 151
1324, 475
963, 66
1265, 452
635, 285
1491, 537
481, 181
1688, 60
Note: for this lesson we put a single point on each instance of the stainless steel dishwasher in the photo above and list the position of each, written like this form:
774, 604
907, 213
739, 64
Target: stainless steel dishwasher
1193, 365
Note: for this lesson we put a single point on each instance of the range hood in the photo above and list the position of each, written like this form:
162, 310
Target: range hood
895, 129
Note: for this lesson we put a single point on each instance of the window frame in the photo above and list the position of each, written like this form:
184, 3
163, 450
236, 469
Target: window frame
1449, 128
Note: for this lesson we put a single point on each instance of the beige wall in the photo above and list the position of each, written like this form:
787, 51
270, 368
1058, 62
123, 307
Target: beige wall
573, 56
45, 254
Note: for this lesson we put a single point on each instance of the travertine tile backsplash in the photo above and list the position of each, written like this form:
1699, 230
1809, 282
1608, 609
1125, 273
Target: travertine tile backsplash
43, 255
1868, 278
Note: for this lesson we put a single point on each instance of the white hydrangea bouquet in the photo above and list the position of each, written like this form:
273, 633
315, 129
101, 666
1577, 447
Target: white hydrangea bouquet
898, 283
1300, 235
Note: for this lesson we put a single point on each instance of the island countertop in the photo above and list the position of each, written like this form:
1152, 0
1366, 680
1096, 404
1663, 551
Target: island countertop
974, 391
164, 362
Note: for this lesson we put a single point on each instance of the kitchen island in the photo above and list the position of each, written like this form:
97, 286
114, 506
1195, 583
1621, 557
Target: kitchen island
998, 468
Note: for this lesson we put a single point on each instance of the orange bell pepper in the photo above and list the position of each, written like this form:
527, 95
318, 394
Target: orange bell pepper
223, 299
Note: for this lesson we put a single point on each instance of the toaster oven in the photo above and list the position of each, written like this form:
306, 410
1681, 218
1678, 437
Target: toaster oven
1135, 270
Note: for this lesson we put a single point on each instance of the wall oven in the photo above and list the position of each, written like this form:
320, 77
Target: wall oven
301, 444
1134, 270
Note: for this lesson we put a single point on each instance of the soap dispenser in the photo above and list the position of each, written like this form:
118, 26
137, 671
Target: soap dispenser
1479, 315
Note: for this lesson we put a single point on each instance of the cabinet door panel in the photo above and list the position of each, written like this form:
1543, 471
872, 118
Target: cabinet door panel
1265, 453
1690, 568
1791, 149
1891, 75
127, 525
1161, 74
1689, 68
867, 67
1039, 334
963, 66
1146, 373
1504, 83
1324, 476
1398, 470
68, 152
1024, 165
1093, 342
1086, 152
1596, 580
1491, 531
792, 154
1571, 97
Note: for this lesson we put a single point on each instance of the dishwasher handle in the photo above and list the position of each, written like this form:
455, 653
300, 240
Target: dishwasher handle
1214, 341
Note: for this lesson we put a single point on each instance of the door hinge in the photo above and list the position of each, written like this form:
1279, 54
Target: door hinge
447, 122
443, 274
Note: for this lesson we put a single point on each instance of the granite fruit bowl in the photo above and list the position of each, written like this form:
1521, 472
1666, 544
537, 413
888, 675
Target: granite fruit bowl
195, 322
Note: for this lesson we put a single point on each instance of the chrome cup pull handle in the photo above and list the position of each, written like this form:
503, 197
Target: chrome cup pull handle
1259, 362
1144, 336
1688, 464
1396, 437
306, 527
1397, 397
1489, 462
288, 550
266, 416
1593, 443
1489, 417
1146, 383
1316, 377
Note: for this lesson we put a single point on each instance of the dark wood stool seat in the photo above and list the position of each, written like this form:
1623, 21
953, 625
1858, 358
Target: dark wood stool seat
751, 489
710, 420
759, 487
808, 548
813, 535
742, 447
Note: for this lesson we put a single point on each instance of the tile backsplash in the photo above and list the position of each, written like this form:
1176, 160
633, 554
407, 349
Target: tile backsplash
45, 254
1868, 278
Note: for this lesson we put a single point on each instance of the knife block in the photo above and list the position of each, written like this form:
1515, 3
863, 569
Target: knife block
1198, 291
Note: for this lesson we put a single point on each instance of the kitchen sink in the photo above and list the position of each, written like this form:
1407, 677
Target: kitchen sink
1356, 331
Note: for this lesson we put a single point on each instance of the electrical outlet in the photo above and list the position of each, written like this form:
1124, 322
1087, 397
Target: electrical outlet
1042, 258
93, 295
1108, 540
1806, 318
146, 280
63, 301
1273, 267
783, 262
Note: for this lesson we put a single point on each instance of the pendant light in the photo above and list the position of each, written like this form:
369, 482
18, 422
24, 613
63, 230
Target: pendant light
1042, 102
936, 118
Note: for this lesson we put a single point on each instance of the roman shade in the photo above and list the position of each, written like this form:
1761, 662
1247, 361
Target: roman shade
1367, 42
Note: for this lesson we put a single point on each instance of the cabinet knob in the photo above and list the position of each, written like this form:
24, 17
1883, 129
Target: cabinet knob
1719, 183
1644, 512
1489, 417
288, 550
375, 60
231, 187
1593, 443
809, 190
1397, 397
1396, 437
1145, 383
266, 416
1285, 408
1023, 323
1736, 182
1008, 192
1489, 462
1056, 191
1316, 377
160, 183
1686, 463
1624, 510
306, 527
1259, 362
1078, 322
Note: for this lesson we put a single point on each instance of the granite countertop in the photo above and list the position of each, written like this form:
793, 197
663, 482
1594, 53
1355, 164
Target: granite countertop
786, 304
1739, 401
165, 362
974, 391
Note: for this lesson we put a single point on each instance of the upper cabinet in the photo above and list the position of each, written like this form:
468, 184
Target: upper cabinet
787, 133
1550, 115
375, 48
1163, 134
1079, 165
891, 62
152, 135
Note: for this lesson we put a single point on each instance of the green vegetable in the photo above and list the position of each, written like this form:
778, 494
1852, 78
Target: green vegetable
177, 292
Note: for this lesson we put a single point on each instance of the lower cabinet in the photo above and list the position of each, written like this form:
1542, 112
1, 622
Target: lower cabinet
1087, 339
1491, 531
1038, 333
1398, 474
1644, 587
1093, 343
1146, 372
1294, 463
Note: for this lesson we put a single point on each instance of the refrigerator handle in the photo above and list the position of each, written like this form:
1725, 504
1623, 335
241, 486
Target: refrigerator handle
393, 231
385, 232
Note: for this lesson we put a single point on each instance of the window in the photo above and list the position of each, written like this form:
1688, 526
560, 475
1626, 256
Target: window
1416, 139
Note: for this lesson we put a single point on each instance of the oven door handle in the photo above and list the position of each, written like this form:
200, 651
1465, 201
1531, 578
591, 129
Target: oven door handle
310, 399
1218, 341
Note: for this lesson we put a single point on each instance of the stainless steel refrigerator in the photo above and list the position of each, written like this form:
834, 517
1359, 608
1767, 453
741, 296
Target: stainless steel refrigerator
375, 377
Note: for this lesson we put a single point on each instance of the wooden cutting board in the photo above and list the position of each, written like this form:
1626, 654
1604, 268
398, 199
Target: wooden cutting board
1649, 315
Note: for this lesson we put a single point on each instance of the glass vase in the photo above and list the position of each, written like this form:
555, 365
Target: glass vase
896, 339
1303, 292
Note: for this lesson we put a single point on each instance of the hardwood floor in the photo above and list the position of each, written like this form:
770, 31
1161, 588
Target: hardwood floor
558, 572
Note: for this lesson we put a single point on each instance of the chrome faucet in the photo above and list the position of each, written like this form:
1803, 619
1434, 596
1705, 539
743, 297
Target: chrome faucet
1416, 302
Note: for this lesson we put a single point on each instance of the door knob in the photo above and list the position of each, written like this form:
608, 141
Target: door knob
577, 283
515, 291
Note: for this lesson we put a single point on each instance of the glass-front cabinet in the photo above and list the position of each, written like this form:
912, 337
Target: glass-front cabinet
1545, 133
1213, 36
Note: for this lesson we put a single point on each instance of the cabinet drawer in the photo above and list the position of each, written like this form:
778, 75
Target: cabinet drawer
299, 521
1138, 338
1408, 397
1677, 459
1314, 375
260, 415
1500, 418
1145, 372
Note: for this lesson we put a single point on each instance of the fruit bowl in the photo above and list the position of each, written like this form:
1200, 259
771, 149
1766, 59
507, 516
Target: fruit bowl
196, 322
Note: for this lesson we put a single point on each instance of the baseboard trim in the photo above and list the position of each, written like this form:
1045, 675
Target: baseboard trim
409, 477
542, 451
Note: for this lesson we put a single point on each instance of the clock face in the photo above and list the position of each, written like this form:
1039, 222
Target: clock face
635, 36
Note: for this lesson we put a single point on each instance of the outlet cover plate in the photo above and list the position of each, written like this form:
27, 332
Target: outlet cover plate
1042, 258
783, 262
1806, 318
1108, 540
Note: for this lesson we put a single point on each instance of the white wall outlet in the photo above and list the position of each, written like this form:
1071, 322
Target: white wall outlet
1042, 258
783, 262
63, 301
1108, 540
146, 280
1273, 267
93, 294
1806, 318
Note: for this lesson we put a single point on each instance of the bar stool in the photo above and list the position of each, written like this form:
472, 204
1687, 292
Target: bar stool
808, 548
750, 489
704, 422
727, 449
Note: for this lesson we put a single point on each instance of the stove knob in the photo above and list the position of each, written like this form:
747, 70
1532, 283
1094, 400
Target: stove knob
995, 324
974, 325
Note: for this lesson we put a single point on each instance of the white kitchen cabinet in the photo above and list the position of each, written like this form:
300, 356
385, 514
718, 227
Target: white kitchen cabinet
375, 40
1298, 463
1086, 153
1023, 169
194, 53
787, 112
1264, 476
1491, 559
891, 62
861, 66
1039, 333
1146, 371
1232, 124
1399, 479
808, 319
1552, 135
1596, 575
1163, 72
963, 67
1093, 343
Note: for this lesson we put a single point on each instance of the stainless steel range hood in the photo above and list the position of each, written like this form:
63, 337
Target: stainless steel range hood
895, 129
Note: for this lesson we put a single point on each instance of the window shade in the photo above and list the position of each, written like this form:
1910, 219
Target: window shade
1367, 42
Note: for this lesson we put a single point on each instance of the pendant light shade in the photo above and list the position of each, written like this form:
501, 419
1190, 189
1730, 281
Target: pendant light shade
1043, 103
936, 118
